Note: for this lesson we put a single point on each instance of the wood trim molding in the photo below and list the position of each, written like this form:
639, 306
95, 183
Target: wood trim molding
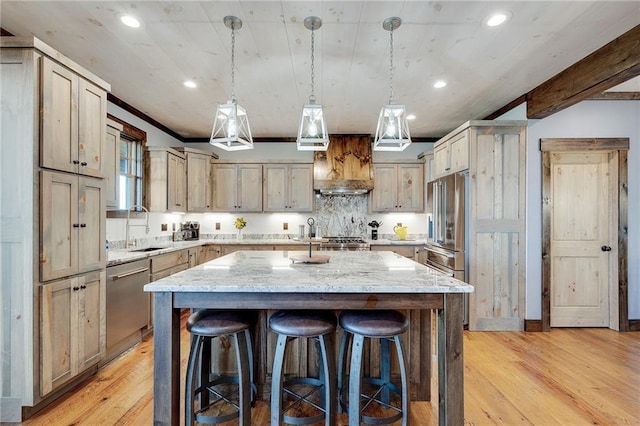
584, 144
130, 130
634, 325
533, 325
612, 64
612, 144
615, 96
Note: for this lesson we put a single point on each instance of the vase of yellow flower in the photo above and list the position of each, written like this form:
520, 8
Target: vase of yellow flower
240, 223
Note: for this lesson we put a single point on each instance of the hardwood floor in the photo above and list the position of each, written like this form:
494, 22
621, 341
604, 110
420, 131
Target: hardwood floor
565, 377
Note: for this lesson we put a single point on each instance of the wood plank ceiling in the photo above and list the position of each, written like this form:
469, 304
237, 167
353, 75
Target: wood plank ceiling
485, 68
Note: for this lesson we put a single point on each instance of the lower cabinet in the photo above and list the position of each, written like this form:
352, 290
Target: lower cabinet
403, 250
208, 252
72, 328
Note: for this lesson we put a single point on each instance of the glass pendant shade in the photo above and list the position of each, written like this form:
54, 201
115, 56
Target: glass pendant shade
231, 130
392, 133
312, 135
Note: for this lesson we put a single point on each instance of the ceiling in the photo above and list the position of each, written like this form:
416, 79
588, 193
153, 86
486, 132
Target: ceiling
485, 68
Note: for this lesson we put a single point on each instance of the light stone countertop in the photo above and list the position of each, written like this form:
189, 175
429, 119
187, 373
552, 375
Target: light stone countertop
346, 272
119, 256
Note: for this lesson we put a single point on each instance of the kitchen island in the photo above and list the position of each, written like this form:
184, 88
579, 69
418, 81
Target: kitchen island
269, 280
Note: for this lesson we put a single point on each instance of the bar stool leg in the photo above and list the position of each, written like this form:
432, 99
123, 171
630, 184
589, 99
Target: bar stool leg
385, 369
342, 375
329, 379
205, 369
405, 381
277, 379
190, 388
355, 379
244, 382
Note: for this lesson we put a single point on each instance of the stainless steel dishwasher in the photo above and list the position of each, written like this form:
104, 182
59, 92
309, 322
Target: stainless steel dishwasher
127, 305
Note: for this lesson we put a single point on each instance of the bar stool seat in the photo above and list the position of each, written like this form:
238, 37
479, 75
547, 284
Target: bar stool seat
385, 325
317, 325
204, 326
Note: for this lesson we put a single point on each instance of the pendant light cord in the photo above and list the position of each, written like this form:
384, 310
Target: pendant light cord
391, 65
312, 98
233, 57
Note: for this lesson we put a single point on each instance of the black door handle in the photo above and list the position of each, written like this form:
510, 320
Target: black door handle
605, 248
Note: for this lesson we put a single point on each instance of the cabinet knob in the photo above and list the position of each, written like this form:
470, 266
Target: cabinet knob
83, 286
76, 288
83, 225
76, 162
84, 163
76, 225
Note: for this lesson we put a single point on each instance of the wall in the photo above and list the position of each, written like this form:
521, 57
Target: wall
338, 215
586, 119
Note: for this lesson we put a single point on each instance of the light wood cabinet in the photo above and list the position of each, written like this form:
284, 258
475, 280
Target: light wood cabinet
74, 114
73, 225
111, 162
237, 187
163, 265
166, 180
408, 251
451, 154
199, 185
208, 252
496, 247
398, 187
288, 187
72, 328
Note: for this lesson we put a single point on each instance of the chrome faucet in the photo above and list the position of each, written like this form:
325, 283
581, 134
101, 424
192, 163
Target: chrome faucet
146, 225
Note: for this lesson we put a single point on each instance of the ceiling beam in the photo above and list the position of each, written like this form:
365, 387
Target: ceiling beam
612, 64
615, 96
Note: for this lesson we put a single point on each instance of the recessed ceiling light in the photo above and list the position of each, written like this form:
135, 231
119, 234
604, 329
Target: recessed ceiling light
411, 117
497, 18
439, 84
130, 21
190, 84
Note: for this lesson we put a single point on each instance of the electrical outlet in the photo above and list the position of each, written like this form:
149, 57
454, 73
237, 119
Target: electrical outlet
217, 226
285, 226
164, 227
400, 224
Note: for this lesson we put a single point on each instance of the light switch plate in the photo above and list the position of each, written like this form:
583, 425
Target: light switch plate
164, 227
285, 226
217, 226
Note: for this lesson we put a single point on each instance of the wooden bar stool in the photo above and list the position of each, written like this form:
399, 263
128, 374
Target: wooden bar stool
387, 326
317, 325
214, 394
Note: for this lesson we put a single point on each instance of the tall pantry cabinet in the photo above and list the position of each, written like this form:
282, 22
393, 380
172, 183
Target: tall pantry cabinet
54, 200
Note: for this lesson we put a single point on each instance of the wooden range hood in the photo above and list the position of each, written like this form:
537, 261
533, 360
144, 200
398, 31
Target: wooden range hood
345, 167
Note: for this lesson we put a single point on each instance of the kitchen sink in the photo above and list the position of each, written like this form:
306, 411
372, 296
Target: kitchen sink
148, 249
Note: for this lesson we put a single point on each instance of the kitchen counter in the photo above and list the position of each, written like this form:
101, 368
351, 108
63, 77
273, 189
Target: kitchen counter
119, 256
263, 280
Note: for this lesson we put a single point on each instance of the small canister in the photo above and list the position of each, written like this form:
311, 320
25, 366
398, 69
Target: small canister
301, 232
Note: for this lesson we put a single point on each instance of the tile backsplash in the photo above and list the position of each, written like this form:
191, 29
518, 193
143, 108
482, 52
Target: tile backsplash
337, 215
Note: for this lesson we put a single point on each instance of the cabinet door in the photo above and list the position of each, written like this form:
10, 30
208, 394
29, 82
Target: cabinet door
92, 342
410, 188
59, 142
383, 196
275, 188
92, 231
198, 183
225, 184
111, 167
300, 191
459, 152
58, 333
176, 183
441, 160
59, 225
92, 122
249, 194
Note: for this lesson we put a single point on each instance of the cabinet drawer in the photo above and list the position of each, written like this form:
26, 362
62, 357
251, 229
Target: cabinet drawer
169, 260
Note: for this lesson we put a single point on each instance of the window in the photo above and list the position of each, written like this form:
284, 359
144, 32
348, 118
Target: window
130, 179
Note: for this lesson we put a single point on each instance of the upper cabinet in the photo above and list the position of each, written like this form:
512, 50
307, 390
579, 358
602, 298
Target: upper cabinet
399, 187
74, 113
166, 176
237, 187
451, 155
288, 187
199, 180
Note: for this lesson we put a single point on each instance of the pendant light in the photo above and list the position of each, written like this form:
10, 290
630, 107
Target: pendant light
392, 132
312, 134
231, 130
